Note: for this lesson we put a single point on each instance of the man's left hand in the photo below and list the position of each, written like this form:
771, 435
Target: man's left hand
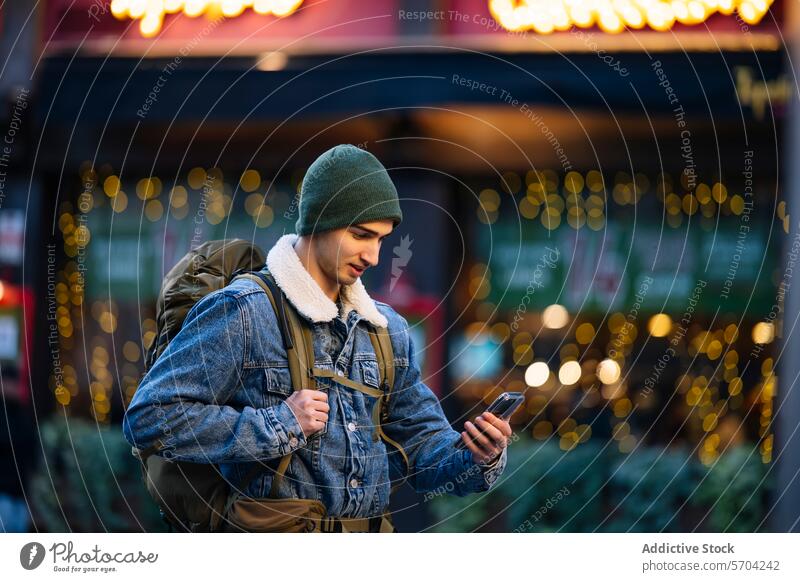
487, 438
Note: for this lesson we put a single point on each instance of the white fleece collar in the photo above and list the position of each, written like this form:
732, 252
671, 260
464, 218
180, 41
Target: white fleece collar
307, 296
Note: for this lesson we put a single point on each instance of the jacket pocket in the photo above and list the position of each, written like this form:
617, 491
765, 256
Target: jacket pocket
279, 387
370, 374
278, 384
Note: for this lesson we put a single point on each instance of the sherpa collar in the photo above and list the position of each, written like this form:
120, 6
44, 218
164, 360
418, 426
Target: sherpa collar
307, 296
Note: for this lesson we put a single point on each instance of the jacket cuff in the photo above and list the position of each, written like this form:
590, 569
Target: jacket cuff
493, 470
287, 428
484, 475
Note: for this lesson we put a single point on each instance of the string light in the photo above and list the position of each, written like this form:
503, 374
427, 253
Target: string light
582, 200
555, 316
569, 373
659, 325
608, 371
536, 374
763, 333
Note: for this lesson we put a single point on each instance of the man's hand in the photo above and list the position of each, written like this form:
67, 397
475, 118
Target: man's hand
311, 409
488, 439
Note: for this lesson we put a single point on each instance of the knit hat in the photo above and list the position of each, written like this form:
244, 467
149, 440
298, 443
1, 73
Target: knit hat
345, 186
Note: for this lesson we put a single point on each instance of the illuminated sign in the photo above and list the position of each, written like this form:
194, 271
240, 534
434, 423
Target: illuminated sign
151, 13
544, 16
760, 94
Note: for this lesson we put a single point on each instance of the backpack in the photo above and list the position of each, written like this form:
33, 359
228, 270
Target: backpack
194, 496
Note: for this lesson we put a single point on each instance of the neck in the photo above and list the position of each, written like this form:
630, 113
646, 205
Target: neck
307, 258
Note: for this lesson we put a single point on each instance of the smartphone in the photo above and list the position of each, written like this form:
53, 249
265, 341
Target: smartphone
506, 404
502, 407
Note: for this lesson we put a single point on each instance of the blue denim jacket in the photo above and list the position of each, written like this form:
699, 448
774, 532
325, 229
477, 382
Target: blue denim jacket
217, 395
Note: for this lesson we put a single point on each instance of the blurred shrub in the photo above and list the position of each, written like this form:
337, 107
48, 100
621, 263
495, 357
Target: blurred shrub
89, 481
594, 488
648, 487
735, 491
540, 472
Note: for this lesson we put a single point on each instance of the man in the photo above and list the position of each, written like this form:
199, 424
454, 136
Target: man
222, 392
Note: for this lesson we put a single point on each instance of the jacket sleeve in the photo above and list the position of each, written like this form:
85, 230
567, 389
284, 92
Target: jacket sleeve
182, 400
418, 423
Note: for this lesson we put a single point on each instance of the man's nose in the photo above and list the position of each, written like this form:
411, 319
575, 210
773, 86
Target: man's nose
370, 256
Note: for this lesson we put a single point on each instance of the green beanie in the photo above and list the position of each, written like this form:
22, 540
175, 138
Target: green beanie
345, 186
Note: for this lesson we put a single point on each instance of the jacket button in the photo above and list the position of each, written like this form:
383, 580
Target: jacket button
353, 483
293, 442
351, 426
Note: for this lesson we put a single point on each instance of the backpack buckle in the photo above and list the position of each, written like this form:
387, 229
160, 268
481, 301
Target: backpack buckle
384, 404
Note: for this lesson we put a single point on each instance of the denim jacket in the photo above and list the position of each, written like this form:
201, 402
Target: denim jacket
217, 395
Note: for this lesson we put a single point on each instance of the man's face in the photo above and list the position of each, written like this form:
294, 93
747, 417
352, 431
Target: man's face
345, 253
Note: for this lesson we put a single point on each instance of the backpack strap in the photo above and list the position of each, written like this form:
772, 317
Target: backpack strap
299, 343
382, 344
344, 380
301, 362
379, 336
303, 358
297, 352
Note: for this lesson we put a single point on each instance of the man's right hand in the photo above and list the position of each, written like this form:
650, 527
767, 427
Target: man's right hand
311, 409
